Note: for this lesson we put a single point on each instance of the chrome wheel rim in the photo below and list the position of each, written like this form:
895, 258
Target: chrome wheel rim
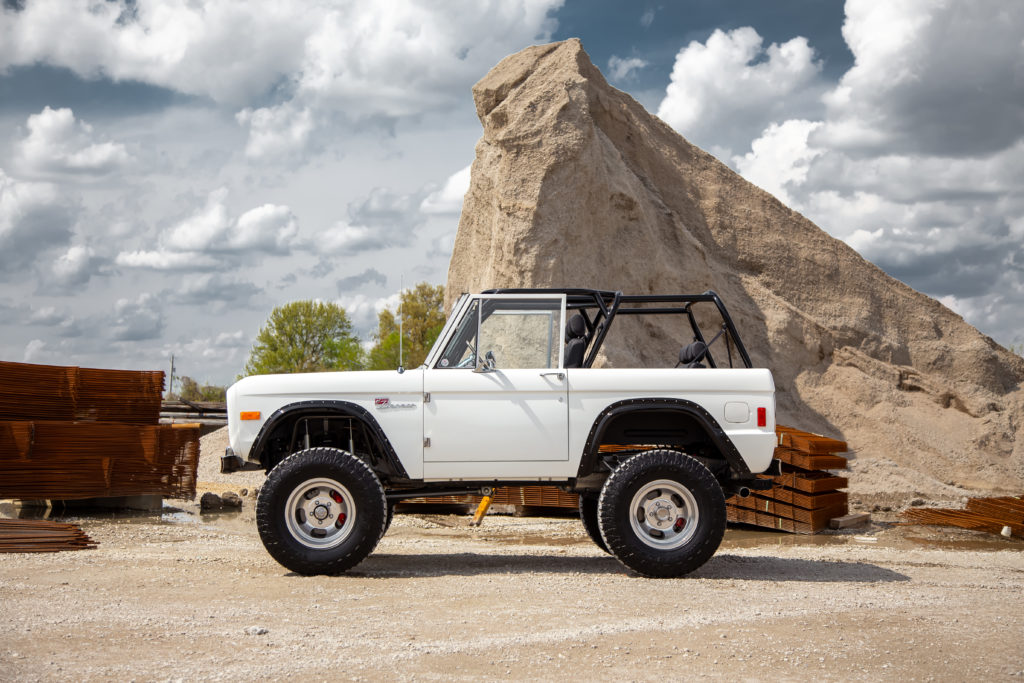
320, 513
663, 514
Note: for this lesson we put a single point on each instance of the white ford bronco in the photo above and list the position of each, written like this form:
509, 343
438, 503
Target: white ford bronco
506, 398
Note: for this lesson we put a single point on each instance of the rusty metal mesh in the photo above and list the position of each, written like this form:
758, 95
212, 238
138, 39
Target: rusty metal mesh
69, 433
981, 514
51, 392
73, 460
41, 536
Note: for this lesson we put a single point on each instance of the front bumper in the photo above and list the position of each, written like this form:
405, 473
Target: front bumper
229, 462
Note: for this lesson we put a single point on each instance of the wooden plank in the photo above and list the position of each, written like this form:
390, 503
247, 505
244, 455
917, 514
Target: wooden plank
762, 519
810, 482
848, 521
808, 501
814, 444
776, 508
805, 461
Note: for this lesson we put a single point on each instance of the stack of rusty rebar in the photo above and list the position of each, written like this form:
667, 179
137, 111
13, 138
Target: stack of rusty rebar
806, 496
41, 536
995, 515
70, 433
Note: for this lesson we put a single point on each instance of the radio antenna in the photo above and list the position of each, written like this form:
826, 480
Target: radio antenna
401, 288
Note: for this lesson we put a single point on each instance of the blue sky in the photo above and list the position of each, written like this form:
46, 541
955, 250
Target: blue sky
171, 171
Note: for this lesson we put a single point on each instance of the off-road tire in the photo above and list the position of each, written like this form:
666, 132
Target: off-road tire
588, 515
353, 489
387, 522
673, 481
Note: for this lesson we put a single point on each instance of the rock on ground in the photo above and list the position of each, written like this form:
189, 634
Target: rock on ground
576, 185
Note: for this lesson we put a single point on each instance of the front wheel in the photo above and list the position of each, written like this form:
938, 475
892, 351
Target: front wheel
662, 513
321, 511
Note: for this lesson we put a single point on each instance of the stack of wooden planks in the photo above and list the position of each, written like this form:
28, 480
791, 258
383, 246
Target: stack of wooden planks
40, 536
982, 514
806, 495
71, 433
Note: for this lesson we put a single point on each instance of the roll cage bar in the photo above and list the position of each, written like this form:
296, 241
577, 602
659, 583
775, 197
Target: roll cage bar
599, 308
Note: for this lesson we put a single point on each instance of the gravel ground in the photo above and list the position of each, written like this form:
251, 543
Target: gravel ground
183, 596
189, 596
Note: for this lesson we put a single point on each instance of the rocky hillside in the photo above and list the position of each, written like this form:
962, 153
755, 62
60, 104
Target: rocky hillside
575, 184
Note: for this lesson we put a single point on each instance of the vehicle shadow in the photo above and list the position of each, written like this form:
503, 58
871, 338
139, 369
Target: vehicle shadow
768, 568
724, 566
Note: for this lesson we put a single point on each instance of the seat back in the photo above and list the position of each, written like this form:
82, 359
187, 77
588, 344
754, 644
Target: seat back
576, 341
691, 355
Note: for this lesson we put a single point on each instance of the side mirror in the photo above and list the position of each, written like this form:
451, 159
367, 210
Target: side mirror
488, 364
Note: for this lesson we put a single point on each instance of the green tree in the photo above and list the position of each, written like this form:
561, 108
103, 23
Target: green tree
305, 336
422, 312
192, 391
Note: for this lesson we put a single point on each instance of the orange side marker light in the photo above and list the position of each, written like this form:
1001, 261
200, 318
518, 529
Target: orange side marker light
249, 415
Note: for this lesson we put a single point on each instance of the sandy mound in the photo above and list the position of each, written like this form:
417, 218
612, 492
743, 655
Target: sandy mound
576, 185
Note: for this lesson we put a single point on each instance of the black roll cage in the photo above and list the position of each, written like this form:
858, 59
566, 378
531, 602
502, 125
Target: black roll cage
604, 306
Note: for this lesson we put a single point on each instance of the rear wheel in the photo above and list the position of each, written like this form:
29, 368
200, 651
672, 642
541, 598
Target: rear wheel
662, 513
321, 511
588, 515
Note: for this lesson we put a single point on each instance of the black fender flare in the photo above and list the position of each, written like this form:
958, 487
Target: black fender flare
714, 431
346, 408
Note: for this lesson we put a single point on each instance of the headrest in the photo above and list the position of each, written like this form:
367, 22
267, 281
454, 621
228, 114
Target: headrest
692, 352
575, 328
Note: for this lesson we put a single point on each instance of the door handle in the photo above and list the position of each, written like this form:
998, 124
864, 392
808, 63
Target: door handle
559, 375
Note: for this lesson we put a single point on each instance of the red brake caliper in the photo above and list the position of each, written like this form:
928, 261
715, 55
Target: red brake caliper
678, 526
336, 497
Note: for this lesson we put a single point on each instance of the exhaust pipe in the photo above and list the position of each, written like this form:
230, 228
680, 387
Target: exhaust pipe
743, 492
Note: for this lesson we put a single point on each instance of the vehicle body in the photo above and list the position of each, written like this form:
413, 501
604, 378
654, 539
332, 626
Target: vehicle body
501, 400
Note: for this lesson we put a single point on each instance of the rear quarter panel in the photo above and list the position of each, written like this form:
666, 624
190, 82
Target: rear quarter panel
592, 390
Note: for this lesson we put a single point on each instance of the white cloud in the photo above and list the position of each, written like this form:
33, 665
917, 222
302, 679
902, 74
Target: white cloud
167, 260
724, 92
383, 219
228, 50
203, 240
368, 276
915, 157
647, 18
322, 59
213, 290
362, 310
276, 132
60, 322
779, 157
138, 319
34, 217
940, 78
448, 200
75, 267
270, 227
33, 350
222, 349
57, 143
621, 69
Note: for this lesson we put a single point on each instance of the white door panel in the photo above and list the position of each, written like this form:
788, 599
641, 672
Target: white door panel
501, 415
